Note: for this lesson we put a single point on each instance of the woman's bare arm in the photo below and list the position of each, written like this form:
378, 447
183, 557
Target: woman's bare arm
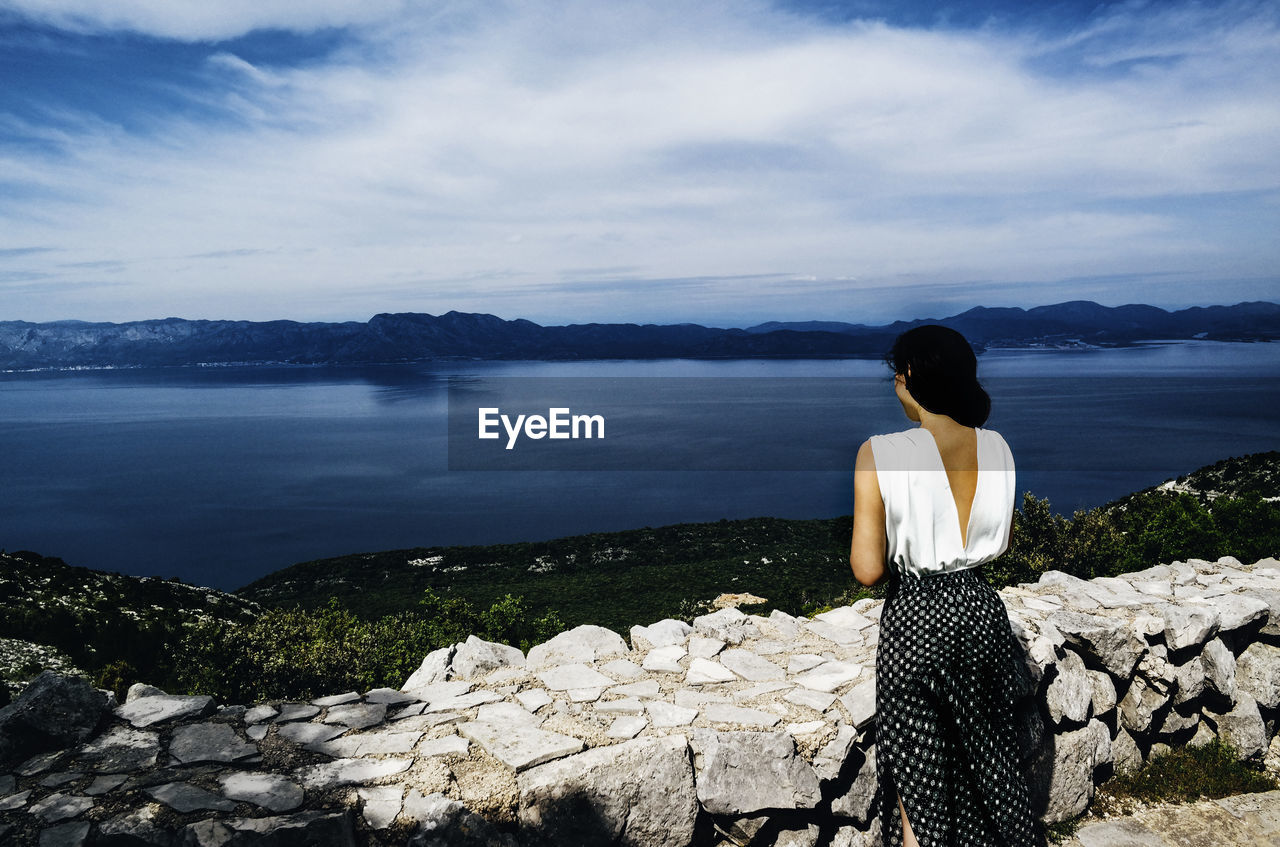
867, 553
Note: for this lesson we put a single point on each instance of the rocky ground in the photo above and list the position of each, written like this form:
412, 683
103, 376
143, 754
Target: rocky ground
732, 729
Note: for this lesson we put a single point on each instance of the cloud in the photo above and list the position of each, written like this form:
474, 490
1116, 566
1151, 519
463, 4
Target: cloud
479, 157
192, 20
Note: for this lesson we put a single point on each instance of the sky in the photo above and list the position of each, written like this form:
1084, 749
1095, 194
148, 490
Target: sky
723, 162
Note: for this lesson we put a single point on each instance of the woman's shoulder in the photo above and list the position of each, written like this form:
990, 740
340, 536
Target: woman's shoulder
995, 440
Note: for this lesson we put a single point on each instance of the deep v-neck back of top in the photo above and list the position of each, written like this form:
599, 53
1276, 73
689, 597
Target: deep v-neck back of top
922, 519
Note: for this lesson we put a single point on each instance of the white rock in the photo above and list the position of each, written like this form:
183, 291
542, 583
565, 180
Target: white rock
454, 745
565, 677
819, 701
270, 791
533, 699
586, 643
660, 634
622, 669
844, 616
349, 771
801, 662
702, 671
860, 703
646, 688
381, 804
626, 726
666, 714
749, 666
518, 746
703, 647
625, 706
829, 676
665, 658
729, 713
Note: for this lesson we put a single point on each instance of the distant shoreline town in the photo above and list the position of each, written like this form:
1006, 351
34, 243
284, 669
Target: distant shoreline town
415, 337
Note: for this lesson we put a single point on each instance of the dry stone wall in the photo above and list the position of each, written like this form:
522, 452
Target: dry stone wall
731, 729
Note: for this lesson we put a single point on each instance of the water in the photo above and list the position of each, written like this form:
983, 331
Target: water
221, 475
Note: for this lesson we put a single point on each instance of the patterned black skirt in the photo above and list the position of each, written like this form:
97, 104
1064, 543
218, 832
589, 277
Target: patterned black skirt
949, 675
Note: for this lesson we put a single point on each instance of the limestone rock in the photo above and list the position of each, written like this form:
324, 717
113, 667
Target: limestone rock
728, 713
860, 703
1242, 727
857, 802
1063, 784
331, 829
742, 772
120, 750
520, 747
1070, 694
749, 666
444, 822
1113, 645
349, 771
476, 657
1186, 624
1104, 692
185, 797
208, 742
357, 715
665, 658
666, 714
702, 671
53, 711
434, 668
660, 634
141, 689
1124, 752
270, 791
564, 677
1258, 673
158, 708
1219, 669
586, 643
728, 625
1138, 705
638, 792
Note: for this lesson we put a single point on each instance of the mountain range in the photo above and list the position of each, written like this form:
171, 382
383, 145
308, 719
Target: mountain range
407, 337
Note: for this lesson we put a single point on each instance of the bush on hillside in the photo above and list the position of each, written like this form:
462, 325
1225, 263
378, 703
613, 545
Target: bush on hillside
292, 653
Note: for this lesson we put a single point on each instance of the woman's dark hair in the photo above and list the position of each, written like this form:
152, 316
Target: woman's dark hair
943, 373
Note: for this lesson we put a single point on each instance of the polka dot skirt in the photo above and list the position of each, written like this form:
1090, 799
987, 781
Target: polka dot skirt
948, 671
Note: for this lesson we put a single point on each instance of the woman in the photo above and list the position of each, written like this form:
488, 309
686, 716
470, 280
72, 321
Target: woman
931, 504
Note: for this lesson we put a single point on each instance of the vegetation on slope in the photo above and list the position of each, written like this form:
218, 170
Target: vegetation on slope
287, 636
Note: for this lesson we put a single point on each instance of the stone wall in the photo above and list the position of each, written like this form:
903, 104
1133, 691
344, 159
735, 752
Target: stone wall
735, 729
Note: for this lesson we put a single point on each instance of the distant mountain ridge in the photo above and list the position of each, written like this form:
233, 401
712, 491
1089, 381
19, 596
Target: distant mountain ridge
405, 337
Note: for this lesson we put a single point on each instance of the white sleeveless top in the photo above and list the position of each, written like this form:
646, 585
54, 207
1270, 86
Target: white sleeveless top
921, 523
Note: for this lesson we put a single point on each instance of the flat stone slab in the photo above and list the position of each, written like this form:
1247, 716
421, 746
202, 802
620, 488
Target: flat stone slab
148, 711
381, 804
258, 714
297, 712
464, 701
819, 701
448, 745
209, 742
336, 700
702, 671
665, 658
574, 675
749, 666
184, 797
507, 712
829, 676
665, 714
60, 807
845, 636
801, 662
269, 791
349, 771
729, 713
625, 706
310, 733
844, 616
627, 726
647, 689
389, 697
14, 801
520, 747
120, 750
860, 703
357, 715
368, 744
622, 669
533, 699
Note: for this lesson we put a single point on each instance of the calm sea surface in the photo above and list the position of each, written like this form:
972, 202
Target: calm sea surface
221, 475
